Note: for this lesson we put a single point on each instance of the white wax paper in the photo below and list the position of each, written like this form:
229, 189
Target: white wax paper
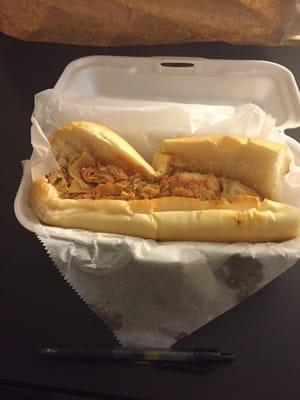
153, 293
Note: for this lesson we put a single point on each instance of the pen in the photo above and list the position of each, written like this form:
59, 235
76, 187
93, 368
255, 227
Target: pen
96, 354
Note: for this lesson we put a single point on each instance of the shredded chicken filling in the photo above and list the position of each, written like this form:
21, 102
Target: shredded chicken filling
83, 178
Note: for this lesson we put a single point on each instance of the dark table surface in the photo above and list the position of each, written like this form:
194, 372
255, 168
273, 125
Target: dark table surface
37, 307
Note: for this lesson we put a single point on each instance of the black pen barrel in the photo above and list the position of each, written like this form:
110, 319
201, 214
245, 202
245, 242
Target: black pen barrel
92, 354
153, 355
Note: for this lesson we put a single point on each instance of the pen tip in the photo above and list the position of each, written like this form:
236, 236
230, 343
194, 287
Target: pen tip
227, 356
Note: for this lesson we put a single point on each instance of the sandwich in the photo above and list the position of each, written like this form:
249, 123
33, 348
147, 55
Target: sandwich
199, 188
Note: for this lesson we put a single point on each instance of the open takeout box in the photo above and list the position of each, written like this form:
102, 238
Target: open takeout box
148, 292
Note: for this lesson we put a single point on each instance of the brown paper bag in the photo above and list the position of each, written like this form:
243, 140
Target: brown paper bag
133, 22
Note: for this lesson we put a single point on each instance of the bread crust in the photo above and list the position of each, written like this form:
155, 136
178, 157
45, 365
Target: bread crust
170, 218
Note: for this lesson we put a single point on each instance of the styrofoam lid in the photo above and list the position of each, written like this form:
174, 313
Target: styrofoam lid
187, 80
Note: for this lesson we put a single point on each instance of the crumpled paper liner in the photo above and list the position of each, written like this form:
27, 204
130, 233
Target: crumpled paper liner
156, 304
132, 22
151, 293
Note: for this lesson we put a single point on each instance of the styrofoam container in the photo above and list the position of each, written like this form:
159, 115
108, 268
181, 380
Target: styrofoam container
180, 286
183, 80
188, 80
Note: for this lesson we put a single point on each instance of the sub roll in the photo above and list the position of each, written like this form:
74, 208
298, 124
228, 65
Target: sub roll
201, 188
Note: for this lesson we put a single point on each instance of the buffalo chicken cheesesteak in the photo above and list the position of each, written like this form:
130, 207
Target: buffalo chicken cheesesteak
202, 188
